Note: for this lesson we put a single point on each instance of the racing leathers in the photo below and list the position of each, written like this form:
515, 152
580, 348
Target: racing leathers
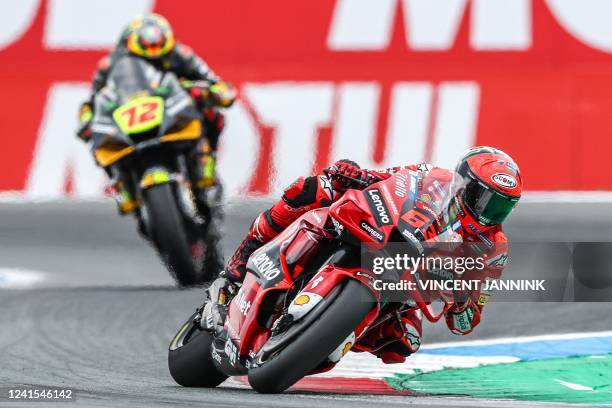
399, 337
206, 88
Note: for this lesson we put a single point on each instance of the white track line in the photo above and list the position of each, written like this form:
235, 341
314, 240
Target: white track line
364, 365
573, 386
521, 339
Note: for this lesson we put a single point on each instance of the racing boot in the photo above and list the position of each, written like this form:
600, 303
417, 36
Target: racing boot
211, 315
394, 339
125, 202
221, 292
207, 178
206, 163
223, 289
407, 330
209, 189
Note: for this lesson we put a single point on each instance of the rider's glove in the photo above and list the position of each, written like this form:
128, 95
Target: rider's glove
462, 318
223, 94
347, 174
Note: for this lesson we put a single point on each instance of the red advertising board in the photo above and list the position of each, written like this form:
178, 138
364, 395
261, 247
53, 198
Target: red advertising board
386, 82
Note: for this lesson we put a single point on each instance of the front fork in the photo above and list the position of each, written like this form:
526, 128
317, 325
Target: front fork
127, 184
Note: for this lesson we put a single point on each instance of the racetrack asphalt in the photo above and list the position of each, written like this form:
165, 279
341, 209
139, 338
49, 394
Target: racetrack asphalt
101, 321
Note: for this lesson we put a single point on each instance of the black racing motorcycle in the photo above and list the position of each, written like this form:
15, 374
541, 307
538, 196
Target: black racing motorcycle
145, 130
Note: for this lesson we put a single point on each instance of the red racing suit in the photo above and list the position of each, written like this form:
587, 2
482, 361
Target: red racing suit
396, 339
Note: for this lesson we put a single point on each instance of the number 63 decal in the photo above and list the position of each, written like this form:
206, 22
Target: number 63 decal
140, 114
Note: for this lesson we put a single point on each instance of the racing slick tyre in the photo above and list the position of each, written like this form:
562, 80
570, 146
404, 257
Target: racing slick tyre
169, 233
190, 359
316, 342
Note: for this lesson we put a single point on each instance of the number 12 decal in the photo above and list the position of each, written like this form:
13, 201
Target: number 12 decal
140, 114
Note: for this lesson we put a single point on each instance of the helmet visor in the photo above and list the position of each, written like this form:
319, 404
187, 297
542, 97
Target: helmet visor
487, 206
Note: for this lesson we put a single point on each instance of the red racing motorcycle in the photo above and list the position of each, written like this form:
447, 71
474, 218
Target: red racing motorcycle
306, 299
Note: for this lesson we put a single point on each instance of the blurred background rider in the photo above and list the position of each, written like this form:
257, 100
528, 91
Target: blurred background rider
151, 37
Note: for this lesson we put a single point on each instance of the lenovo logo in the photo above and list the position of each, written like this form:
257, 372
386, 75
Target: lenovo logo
378, 207
266, 267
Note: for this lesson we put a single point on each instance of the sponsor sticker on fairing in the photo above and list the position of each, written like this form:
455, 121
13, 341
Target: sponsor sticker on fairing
243, 304
413, 186
373, 232
266, 267
315, 282
401, 185
388, 198
378, 207
302, 300
415, 241
337, 226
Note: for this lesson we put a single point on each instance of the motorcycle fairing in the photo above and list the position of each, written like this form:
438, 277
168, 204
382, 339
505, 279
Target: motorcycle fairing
255, 307
140, 107
410, 205
110, 152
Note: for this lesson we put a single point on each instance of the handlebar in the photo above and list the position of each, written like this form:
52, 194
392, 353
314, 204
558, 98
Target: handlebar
338, 176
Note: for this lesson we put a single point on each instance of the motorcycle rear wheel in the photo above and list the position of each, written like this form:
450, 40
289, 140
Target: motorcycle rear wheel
300, 357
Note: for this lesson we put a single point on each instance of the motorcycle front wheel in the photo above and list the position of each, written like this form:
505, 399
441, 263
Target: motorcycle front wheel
190, 359
169, 233
301, 356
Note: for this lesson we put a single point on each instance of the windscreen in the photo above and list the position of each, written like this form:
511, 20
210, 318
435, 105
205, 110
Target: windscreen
427, 196
130, 76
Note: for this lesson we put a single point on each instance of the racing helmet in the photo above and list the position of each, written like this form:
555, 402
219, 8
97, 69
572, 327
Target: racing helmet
149, 36
492, 188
